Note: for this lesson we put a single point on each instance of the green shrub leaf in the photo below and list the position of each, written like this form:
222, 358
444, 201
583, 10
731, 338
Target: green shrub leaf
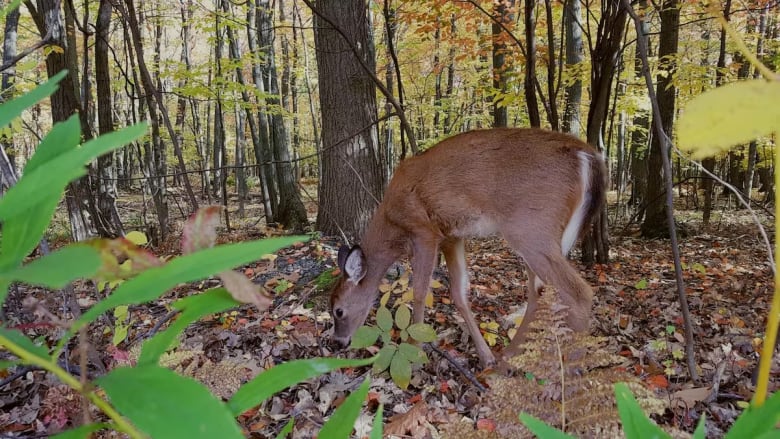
193, 308
166, 405
282, 376
11, 110
422, 332
377, 427
384, 319
729, 115
403, 316
342, 421
413, 353
541, 429
58, 268
288, 428
19, 339
757, 422
401, 371
150, 284
83, 432
384, 357
636, 424
364, 337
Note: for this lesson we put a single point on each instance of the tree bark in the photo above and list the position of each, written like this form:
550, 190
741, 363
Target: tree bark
655, 224
504, 12
530, 65
572, 24
352, 178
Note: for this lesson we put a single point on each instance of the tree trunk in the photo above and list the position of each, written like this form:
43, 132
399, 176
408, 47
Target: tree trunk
352, 178
530, 65
572, 23
106, 184
655, 224
640, 129
10, 36
291, 212
752, 153
504, 12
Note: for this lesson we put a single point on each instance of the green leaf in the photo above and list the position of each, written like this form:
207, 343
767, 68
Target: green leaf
154, 282
402, 316
384, 319
376, 428
700, 268
23, 342
63, 137
10, 110
58, 268
14, 4
756, 422
342, 421
364, 337
701, 429
641, 285
6, 364
68, 166
422, 332
288, 428
413, 353
166, 405
83, 432
635, 423
729, 115
285, 375
384, 357
193, 308
401, 371
542, 430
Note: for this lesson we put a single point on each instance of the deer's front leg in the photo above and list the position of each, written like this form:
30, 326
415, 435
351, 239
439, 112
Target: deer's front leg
423, 261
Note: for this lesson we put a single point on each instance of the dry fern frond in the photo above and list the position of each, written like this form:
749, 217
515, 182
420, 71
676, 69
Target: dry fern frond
564, 378
223, 378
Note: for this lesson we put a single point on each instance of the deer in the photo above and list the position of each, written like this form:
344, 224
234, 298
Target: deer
537, 189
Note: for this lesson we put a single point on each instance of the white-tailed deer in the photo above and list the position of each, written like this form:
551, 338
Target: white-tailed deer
536, 188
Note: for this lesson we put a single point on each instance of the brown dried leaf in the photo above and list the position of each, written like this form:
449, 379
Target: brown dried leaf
411, 423
200, 230
687, 398
243, 290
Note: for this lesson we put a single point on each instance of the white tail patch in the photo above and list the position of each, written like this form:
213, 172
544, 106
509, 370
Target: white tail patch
572, 231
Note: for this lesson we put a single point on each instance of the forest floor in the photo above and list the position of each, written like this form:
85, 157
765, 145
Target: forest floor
727, 279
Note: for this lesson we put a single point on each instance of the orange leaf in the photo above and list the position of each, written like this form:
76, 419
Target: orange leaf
657, 381
486, 424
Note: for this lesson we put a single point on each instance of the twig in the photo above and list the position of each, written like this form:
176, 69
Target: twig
665, 145
460, 368
716, 381
155, 328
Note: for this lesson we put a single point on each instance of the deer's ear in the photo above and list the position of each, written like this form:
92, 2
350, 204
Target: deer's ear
354, 264
342, 256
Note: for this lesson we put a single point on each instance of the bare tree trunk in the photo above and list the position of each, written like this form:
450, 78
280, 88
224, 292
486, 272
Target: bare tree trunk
10, 36
504, 12
572, 23
752, 153
530, 65
655, 224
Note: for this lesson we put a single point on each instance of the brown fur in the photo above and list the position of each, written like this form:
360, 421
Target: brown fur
524, 184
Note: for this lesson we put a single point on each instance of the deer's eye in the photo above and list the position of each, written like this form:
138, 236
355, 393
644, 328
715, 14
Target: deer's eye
339, 313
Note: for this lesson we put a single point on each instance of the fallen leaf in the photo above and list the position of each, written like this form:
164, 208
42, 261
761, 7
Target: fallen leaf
411, 423
486, 425
687, 398
243, 290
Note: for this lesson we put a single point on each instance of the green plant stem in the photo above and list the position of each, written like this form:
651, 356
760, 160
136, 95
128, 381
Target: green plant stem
770, 338
120, 424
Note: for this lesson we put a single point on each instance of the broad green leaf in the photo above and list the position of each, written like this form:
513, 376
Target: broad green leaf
364, 337
384, 357
83, 432
63, 137
384, 319
401, 371
757, 422
342, 421
193, 308
542, 430
58, 268
137, 238
20, 340
288, 428
402, 316
377, 427
641, 284
729, 115
23, 233
68, 166
413, 353
164, 404
636, 424
422, 332
7, 9
188, 268
285, 375
10, 110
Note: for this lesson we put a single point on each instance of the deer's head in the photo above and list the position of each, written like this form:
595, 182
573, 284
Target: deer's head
353, 295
